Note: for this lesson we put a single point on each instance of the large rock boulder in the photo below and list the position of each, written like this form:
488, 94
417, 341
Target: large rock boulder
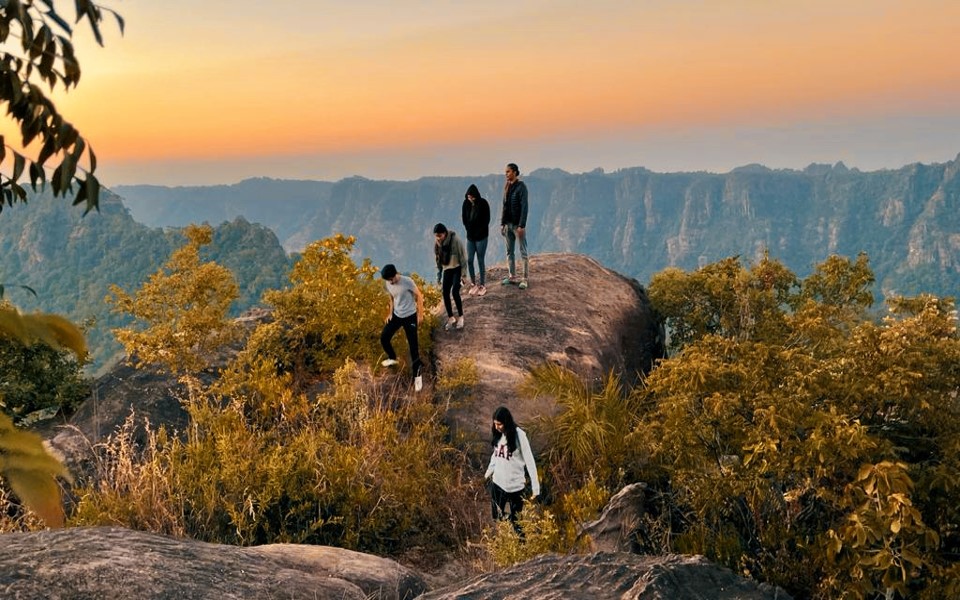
111, 563
576, 313
615, 530
604, 576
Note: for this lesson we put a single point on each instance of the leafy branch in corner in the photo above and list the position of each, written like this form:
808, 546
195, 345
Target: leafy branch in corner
45, 54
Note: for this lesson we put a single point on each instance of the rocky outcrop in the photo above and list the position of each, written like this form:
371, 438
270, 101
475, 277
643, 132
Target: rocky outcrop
576, 314
615, 530
111, 563
605, 576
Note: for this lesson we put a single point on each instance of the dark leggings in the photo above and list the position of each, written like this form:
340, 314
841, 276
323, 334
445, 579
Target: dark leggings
451, 287
409, 325
499, 498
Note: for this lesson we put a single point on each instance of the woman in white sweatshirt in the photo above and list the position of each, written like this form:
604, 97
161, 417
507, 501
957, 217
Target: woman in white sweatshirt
511, 455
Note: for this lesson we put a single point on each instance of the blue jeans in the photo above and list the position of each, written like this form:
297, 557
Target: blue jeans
510, 235
478, 248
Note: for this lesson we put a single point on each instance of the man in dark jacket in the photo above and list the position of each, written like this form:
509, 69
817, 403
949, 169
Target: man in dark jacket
513, 223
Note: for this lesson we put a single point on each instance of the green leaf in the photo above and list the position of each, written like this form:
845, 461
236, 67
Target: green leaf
120, 22
18, 163
91, 189
53, 16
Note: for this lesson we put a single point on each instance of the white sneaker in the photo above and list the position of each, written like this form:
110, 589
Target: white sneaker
473, 289
418, 383
460, 322
481, 290
390, 362
451, 321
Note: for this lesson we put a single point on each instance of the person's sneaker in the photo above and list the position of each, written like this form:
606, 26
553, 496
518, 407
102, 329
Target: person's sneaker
390, 362
481, 290
509, 280
473, 289
460, 322
418, 383
523, 284
451, 321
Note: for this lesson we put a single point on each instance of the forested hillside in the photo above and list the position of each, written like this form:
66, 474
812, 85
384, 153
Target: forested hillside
70, 260
634, 221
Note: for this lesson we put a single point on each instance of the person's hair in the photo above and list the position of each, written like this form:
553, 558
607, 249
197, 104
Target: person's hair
513, 167
439, 228
503, 415
388, 272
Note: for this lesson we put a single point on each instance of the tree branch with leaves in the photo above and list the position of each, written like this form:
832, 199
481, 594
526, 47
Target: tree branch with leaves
45, 55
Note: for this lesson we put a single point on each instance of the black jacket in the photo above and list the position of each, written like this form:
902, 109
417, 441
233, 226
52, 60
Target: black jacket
515, 205
476, 219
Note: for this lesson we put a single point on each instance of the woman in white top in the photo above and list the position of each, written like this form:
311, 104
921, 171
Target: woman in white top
511, 456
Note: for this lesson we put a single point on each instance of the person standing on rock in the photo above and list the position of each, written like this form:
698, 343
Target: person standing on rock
450, 255
511, 456
513, 223
476, 222
406, 311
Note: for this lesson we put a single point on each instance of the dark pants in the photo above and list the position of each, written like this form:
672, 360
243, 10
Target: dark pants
499, 498
451, 287
409, 325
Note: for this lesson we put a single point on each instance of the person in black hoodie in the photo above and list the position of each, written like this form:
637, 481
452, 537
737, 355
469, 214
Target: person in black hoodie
476, 222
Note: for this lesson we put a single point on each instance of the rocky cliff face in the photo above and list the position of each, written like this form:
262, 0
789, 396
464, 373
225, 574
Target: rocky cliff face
634, 221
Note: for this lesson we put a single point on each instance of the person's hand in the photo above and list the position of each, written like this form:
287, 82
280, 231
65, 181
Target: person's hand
419, 318
503, 230
521, 232
386, 319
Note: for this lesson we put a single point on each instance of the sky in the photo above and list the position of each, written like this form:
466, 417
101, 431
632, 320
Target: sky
212, 92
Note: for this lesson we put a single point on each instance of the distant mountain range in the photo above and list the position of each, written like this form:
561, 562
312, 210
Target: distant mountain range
71, 260
633, 220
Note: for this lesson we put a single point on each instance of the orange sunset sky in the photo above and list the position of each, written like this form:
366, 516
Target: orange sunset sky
209, 91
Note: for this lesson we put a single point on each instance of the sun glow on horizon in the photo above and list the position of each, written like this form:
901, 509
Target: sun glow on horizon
357, 80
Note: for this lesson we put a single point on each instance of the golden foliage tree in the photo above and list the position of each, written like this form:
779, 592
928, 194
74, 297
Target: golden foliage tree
819, 453
792, 435
182, 309
333, 310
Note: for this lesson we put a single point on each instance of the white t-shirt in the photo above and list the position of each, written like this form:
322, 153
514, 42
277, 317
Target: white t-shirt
404, 298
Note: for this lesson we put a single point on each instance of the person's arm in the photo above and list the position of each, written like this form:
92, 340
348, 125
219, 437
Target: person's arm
465, 214
493, 458
389, 308
419, 298
530, 462
461, 256
503, 209
522, 192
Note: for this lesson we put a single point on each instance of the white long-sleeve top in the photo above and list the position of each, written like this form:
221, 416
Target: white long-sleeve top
507, 469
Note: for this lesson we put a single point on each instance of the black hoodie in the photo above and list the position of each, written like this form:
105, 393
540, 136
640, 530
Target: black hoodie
476, 215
